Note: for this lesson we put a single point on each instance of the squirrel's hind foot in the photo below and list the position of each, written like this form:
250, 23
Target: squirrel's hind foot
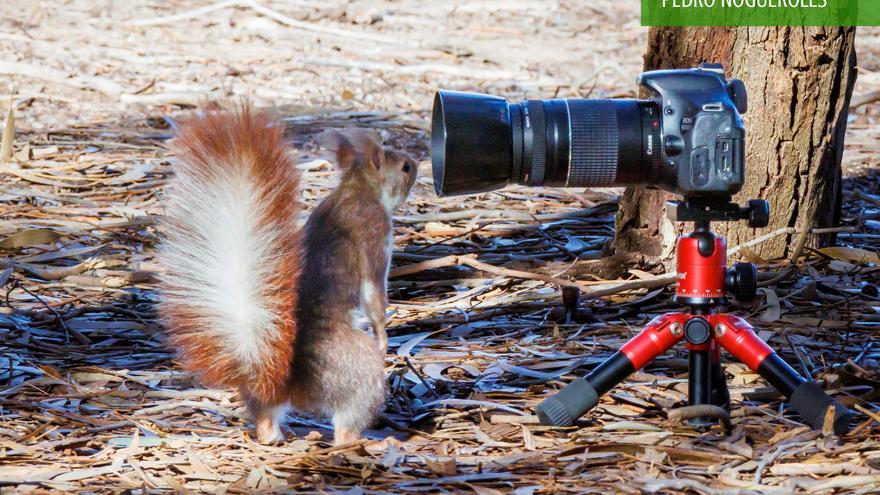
267, 421
268, 431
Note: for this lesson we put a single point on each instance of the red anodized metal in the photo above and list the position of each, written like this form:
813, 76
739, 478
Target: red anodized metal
701, 276
740, 340
710, 345
655, 339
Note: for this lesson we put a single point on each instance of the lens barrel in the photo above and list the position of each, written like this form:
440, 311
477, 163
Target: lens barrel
480, 142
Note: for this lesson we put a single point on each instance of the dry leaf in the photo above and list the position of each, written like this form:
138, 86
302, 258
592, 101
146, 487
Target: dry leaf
641, 274
855, 255
751, 256
8, 134
828, 421
485, 490
773, 311
61, 253
443, 467
31, 237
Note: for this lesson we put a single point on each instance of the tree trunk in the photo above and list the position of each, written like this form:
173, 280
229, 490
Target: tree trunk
799, 82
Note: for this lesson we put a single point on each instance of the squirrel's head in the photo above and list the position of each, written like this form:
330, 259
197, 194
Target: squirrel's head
388, 174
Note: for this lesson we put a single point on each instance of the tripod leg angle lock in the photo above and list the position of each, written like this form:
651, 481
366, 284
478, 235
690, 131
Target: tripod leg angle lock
703, 281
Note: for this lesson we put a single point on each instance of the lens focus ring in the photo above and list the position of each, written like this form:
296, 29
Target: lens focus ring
594, 143
539, 142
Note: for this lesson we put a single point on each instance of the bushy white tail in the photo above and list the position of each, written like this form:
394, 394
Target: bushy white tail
231, 253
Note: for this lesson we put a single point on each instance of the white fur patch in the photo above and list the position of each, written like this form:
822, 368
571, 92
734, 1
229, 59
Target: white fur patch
218, 259
360, 315
391, 201
368, 292
359, 320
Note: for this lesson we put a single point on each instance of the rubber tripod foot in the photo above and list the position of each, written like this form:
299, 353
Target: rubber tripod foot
568, 405
812, 403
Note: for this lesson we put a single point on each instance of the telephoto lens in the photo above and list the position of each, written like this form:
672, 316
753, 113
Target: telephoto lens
687, 138
481, 142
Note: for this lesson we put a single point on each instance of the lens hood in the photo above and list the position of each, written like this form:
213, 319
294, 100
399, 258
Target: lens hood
471, 143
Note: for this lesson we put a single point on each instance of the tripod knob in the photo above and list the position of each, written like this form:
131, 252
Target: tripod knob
742, 281
697, 331
759, 213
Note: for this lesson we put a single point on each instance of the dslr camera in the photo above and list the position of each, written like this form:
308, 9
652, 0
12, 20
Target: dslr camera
687, 138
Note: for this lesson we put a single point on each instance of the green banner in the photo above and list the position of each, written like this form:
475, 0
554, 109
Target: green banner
761, 12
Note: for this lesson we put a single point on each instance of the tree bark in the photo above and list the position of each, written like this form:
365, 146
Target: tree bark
799, 82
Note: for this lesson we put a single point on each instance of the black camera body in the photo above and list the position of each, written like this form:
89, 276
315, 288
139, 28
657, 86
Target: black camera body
703, 136
687, 138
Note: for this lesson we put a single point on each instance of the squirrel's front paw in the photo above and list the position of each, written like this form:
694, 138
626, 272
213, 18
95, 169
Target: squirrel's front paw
344, 436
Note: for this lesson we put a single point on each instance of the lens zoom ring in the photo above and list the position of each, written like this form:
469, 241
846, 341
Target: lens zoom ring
539, 142
594, 143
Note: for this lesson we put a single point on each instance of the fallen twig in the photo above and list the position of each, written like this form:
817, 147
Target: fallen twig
589, 291
865, 99
786, 231
685, 413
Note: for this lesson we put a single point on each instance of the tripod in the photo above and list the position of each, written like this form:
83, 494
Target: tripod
702, 284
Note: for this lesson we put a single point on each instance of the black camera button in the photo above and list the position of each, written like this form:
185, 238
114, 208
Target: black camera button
700, 166
673, 145
724, 155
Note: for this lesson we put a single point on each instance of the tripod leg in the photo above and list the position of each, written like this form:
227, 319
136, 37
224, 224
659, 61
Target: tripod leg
720, 394
583, 394
806, 398
700, 383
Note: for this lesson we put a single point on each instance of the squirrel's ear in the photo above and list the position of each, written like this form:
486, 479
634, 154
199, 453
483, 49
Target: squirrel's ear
342, 147
377, 154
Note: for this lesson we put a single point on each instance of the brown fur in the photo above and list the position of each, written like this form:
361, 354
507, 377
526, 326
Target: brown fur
327, 275
338, 369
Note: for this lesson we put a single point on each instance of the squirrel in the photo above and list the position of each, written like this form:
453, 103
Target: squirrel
252, 302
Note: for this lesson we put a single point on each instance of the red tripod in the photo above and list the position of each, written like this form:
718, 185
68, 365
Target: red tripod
703, 281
